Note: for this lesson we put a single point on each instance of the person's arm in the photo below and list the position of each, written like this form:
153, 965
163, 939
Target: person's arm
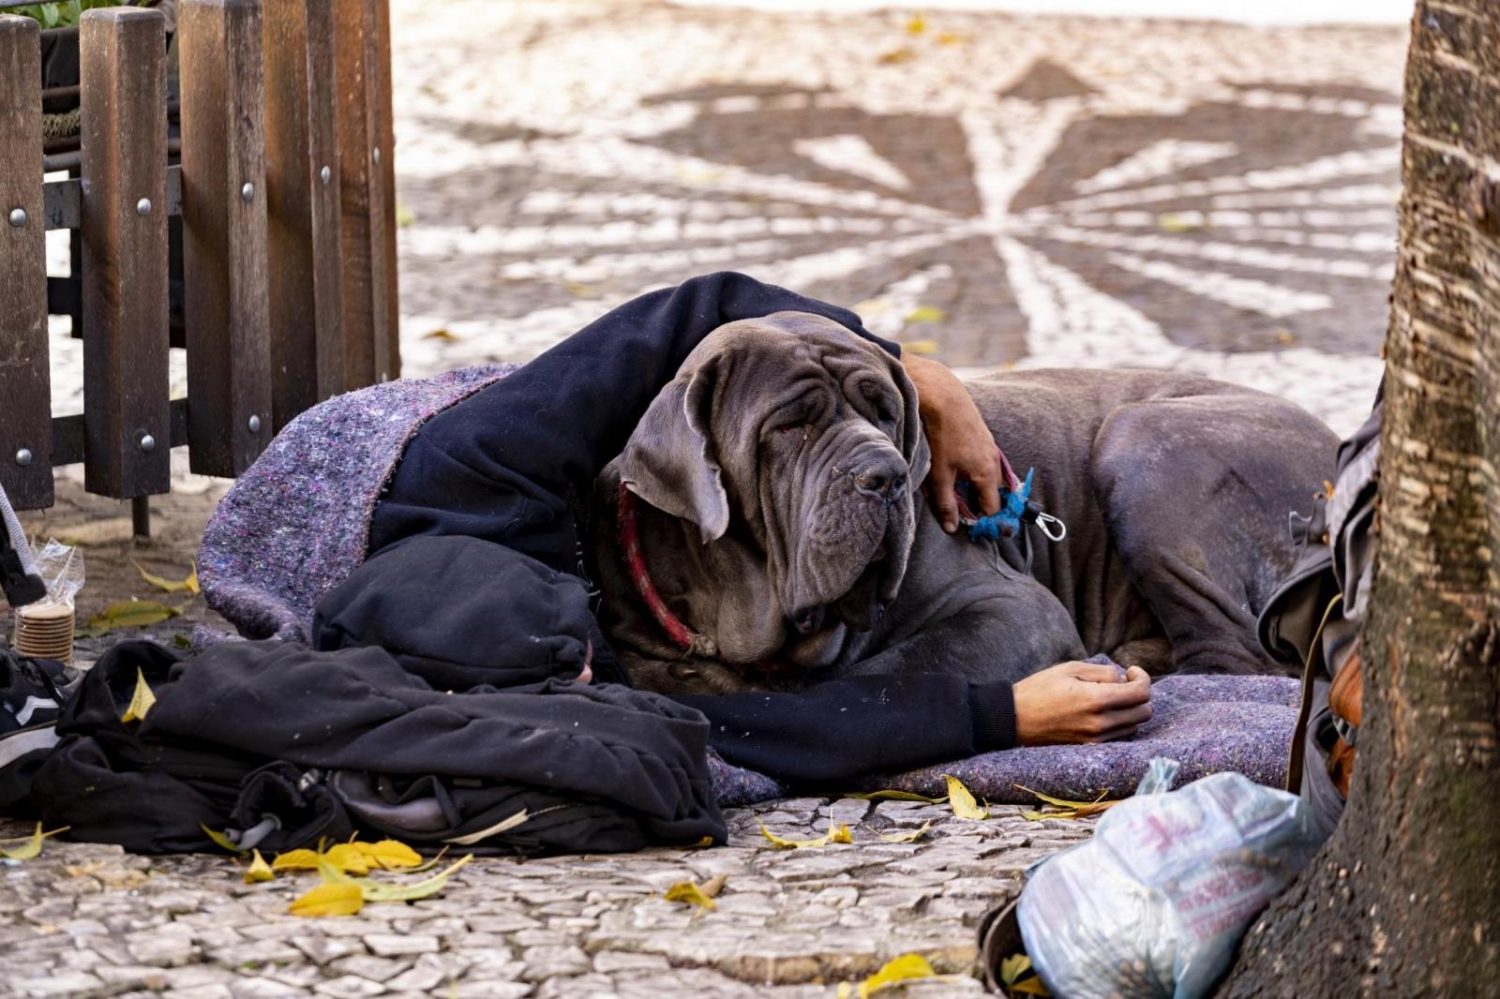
962, 447
502, 464
847, 728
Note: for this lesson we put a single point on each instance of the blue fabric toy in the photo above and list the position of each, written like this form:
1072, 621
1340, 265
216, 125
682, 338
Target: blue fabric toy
1008, 520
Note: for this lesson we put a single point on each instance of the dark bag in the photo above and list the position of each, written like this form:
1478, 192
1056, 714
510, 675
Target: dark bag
1314, 618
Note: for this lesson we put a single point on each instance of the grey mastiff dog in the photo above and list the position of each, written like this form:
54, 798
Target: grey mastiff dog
765, 529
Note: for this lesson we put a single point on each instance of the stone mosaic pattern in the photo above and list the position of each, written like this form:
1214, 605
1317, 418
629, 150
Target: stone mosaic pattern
1213, 198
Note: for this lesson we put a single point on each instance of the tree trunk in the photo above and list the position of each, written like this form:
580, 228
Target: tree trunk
1405, 897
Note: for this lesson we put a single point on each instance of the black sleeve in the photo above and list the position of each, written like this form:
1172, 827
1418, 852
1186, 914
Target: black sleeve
502, 464
866, 724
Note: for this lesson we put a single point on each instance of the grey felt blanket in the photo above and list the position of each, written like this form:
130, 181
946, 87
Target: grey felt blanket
1207, 723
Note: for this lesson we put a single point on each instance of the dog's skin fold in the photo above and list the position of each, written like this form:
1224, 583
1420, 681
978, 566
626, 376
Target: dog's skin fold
778, 516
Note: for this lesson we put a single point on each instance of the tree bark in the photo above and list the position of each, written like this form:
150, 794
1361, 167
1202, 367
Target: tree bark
1405, 897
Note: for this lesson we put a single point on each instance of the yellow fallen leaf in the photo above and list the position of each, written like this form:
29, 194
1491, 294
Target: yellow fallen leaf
388, 855
440, 334
1065, 809
222, 841
836, 834
899, 969
916, 25
1285, 337
910, 836
922, 347
187, 585
953, 38
131, 614
894, 56
295, 860
404, 217
412, 892
893, 795
926, 314
686, 891
1176, 223
141, 702
1018, 976
31, 846
258, 870
347, 857
329, 900
962, 802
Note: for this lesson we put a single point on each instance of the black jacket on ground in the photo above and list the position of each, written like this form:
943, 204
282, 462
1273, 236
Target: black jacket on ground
514, 465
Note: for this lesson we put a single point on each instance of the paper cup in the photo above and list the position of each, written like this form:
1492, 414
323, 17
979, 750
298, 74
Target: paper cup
45, 632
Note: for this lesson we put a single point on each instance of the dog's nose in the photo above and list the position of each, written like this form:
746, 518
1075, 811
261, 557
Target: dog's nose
882, 481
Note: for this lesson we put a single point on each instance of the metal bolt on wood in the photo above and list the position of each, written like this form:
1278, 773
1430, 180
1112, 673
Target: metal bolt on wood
23, 457
18, 217
143, 206
376, 154
247, 193
148, 443
326, 174
253, 423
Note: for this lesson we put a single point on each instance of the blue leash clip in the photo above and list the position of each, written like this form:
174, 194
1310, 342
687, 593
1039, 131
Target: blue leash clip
1015, 508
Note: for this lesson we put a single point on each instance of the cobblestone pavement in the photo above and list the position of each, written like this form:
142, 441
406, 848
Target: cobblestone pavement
90, 920
996, 190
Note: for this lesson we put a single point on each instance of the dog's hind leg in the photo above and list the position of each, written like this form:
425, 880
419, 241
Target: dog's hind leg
1196, 493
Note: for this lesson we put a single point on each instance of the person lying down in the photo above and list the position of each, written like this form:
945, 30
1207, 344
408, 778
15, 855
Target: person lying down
695, 530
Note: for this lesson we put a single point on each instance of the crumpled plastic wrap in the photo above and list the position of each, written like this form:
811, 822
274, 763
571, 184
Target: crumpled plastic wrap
61, 569
1155, 904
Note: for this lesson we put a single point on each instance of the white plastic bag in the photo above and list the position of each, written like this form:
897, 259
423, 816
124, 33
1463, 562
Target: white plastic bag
1155, 904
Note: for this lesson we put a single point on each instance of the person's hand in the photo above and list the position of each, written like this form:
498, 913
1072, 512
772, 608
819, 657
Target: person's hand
961, 443
1081, 702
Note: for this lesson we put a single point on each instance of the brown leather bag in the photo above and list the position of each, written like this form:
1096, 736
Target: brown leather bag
1346, 701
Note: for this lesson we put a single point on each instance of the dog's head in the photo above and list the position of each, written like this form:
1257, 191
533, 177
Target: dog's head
802, 441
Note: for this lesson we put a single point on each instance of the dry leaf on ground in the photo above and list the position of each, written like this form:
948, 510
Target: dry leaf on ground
893, 795
338, 899
258, 870
131, 614
410, 893
837, 833
1062, 808
1019, 977
29, 847
186, 585
910, 836
691, 894
926, 314
905, 968
388, 855
222, 841
962, 802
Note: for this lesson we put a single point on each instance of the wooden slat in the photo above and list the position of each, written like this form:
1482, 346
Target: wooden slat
307, 354
67, 434
368, 292
227, 305
26, 428
124, 144
386, 129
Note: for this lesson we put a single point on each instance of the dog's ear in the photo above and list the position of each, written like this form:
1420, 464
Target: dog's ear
669, 460
913, 437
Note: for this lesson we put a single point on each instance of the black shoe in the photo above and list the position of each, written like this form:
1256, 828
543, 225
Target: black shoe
32, 693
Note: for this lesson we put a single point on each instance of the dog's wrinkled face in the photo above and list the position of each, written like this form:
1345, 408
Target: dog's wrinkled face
794, 437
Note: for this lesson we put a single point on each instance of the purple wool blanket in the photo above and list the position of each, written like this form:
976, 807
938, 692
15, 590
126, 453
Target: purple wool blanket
1208, 724
297, 523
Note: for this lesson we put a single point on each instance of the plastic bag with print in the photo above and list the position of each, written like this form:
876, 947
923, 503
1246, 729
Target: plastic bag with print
1156, 902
